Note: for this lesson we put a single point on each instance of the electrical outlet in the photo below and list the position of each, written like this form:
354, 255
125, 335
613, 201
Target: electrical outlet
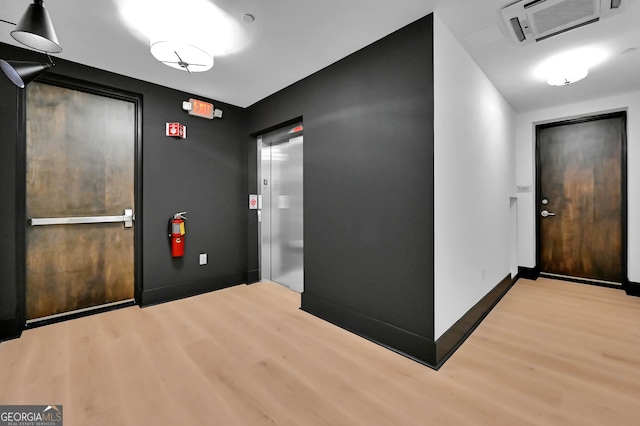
523, 188
203, 258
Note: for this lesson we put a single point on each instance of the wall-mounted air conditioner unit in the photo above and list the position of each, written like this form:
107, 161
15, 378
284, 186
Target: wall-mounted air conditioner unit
537, 20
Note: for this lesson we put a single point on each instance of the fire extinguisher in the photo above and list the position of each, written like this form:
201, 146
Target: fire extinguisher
176, 233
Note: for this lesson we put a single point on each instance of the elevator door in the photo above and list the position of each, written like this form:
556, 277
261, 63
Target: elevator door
282, 244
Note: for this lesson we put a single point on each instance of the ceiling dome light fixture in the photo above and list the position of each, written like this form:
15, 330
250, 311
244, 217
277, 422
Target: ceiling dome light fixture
569, 67
182, 37
182, 56
35, 29
564, 77
180, 46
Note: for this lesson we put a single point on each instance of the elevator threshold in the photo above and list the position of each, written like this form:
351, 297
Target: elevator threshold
284, 279
275, 282
49, 319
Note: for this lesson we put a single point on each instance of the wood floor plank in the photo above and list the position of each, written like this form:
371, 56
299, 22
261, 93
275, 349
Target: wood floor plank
93, 391
550, 353
45, 375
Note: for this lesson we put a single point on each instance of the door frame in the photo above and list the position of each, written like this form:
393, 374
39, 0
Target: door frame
21, 191
622, 114
270, 136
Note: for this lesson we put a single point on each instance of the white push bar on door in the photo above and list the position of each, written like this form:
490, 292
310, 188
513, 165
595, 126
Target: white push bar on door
127, 218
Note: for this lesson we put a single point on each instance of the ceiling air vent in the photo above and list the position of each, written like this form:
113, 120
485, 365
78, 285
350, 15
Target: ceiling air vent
529, 21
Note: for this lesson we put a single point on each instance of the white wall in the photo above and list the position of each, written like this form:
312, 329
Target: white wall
525, 154
474, 177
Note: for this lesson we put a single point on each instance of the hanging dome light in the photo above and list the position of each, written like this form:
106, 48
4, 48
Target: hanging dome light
35, 29
22, 73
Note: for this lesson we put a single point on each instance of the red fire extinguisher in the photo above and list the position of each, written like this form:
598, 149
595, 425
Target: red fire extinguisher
176, 233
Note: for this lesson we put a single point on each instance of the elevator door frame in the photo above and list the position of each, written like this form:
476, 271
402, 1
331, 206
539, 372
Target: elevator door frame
274, 138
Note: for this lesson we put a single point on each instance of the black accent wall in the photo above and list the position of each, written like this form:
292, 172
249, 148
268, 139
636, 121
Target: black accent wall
368, 185
368, 182
204, 175
10, 110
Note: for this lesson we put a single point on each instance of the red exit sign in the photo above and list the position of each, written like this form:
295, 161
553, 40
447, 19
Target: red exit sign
201, 109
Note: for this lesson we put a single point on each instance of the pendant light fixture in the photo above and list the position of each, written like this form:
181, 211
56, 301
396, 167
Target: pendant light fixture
22, 73
36, 31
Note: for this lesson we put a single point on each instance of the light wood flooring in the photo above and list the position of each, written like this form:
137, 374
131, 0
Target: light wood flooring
550, 353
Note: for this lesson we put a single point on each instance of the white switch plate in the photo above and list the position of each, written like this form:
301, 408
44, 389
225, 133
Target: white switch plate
203, 258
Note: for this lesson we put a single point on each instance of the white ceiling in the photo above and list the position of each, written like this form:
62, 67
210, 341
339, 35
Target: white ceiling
291, 39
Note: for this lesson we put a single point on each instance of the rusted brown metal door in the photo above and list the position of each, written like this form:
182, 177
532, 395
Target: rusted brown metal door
580, 202
80, 170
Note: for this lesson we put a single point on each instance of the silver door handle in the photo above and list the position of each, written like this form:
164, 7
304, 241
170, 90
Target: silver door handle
127, 218
545, 213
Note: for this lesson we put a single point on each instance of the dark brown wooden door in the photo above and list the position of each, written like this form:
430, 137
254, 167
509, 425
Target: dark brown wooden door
581, 177
80, 162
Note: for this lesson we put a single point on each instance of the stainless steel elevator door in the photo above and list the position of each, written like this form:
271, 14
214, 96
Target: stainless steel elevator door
282, 243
